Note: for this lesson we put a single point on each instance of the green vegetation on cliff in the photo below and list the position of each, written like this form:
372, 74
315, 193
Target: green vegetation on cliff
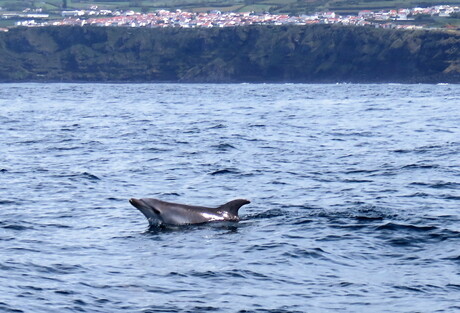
320, 53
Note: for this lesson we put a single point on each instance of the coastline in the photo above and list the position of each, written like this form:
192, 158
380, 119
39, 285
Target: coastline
254, 54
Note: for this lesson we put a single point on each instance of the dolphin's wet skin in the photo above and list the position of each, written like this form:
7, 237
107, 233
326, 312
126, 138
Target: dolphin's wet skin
169, 213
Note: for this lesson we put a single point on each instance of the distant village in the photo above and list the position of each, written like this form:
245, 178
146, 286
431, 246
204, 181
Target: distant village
398, 19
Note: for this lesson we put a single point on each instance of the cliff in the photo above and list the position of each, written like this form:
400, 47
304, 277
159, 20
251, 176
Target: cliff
320, 53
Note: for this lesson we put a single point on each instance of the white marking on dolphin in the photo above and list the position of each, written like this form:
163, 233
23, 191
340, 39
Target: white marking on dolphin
162, 212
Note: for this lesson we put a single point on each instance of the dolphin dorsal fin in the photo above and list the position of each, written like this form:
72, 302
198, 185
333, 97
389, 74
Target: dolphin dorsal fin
233, 206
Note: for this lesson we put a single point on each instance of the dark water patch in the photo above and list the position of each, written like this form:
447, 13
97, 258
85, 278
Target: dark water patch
358, 212
166, 194
218, 126
428, 149
266, 214
278, 183
453, 286
158, 229
225, 171
359, 171
418, 195
315, 253
445, 234
353, 134
410, 288
54, 225
264, 247
66, 292
357, 181
89, 176
204, 309
161, 309
403, 227
17, 249
70, 128
278, 310
34, 288
3, 170
115, 199
79, 176
363, 218
302, 221
223, 147
70, 148
404, 241
16, 227
9, 202
155, 149
4, 307
58, 268
438, 185
450, 197
420, 166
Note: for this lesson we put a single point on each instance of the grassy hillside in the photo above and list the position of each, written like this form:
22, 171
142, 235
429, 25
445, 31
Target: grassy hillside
274, 6
320, 53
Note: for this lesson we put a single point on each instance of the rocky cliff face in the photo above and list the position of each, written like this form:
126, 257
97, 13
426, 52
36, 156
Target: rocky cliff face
320, 53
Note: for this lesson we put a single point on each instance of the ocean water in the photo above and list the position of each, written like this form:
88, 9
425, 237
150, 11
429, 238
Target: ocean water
355, 194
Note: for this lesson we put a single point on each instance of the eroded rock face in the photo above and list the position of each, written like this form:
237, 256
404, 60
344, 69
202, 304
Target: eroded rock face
319, 53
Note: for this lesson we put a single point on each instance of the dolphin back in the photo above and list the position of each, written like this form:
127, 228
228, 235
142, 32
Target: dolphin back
233, 206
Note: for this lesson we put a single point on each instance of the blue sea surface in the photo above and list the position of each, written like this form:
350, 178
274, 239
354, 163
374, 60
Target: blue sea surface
355, 194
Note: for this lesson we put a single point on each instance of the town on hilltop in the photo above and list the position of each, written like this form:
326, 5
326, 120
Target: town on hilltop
397, 18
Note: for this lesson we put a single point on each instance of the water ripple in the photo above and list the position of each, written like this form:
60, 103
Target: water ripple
353, 189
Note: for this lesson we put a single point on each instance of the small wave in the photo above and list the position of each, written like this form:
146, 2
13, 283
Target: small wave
280, 310
360, 171
170, 194
218, 126
353, 134
55, 225
266, 214
420, 166
315, 253
357, 181
4, 307
267, 246
225, 172
450, 197
8, 202
427, 149
404, 227
77, 176
58, 268
16, 227
115, 199
65, 292
417, 195
410, 288
368, 218
90, 176
438, 185
223, 147
156, 149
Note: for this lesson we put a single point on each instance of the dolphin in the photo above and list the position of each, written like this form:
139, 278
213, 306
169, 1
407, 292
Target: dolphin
160, 212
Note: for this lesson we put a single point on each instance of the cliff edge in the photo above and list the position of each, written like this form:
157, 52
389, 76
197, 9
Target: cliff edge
310, 54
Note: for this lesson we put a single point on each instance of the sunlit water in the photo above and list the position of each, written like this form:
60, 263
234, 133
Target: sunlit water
354, 189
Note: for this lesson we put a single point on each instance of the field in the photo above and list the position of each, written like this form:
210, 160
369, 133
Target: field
293, 7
